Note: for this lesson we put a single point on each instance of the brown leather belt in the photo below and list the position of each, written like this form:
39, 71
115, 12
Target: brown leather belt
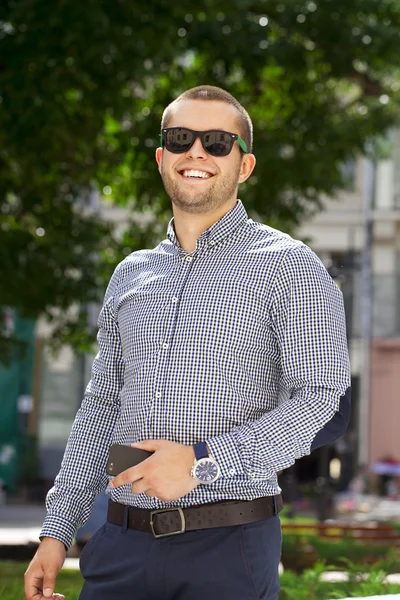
171, 521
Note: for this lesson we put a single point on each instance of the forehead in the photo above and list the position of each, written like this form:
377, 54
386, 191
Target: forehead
204, 114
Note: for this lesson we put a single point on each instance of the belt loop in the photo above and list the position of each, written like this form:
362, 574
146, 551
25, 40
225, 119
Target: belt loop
125, 519
275, 506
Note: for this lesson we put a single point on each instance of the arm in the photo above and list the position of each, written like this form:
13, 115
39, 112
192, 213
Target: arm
337, 426
83, 470
307, 318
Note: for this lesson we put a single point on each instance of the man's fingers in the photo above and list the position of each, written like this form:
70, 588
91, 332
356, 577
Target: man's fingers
140, 486
151, 494
149, 445
129, 476
35, 589
49, 582
33, 586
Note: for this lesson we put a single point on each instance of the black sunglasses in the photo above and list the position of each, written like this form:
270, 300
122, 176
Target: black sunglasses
215, 142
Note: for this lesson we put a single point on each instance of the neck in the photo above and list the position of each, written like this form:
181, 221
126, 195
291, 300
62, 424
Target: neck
189, 227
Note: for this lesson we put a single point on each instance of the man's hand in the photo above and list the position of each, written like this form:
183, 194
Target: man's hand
164, 475
40, 577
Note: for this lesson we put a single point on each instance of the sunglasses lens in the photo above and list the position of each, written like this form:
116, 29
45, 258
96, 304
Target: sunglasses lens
218, 143
178, 140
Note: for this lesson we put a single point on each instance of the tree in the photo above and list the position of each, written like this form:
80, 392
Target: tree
83, 86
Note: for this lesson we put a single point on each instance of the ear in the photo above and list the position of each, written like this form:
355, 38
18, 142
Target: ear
247, 167
159, 153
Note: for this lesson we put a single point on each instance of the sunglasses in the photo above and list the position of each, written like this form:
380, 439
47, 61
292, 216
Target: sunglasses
215, 142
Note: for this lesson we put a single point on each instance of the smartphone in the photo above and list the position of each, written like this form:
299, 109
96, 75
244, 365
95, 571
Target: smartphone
123, 457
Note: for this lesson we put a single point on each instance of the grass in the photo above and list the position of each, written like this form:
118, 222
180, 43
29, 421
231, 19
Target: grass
69, 582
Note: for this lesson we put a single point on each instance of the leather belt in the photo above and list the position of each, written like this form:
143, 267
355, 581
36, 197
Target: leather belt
172, 521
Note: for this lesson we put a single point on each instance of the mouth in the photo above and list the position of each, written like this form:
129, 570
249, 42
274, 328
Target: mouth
195, 174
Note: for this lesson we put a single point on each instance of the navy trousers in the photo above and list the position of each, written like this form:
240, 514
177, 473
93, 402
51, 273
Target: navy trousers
226, 563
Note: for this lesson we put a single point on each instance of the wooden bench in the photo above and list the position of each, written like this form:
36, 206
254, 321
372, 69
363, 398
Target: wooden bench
372, 533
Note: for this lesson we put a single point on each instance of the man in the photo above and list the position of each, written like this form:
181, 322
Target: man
223, 351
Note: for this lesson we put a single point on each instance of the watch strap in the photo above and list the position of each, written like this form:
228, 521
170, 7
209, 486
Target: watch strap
200, 450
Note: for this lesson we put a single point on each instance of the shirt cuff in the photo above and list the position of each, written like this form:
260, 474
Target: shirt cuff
58, 528
224, 451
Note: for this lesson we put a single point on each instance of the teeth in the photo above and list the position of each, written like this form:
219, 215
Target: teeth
195, 173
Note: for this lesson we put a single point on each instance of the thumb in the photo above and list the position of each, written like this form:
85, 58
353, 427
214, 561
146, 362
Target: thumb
149, 445
49, 581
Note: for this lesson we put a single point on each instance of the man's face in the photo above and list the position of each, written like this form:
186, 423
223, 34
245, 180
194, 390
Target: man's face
221, 175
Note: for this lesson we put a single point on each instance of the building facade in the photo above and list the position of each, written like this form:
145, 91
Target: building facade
368, 214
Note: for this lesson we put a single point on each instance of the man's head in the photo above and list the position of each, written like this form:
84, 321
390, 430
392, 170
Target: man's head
204, 177
209, 93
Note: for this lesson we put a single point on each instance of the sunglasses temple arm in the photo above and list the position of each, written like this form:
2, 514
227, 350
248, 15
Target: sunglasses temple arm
242, 144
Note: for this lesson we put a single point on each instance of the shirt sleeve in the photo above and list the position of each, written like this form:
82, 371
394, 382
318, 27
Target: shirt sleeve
83, 469
307, 318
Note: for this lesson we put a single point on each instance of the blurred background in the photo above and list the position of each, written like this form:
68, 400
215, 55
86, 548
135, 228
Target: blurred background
82, 89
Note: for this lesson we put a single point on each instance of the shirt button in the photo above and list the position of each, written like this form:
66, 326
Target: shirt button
165, 346
189, 258
253, 475
174, 299
232, 472
158, 394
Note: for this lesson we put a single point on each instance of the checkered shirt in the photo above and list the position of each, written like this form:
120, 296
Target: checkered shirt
241, 344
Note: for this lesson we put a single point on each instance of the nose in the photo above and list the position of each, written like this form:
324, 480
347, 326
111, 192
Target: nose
197, 150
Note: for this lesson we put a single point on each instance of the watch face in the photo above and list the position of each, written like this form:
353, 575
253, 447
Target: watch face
206, 470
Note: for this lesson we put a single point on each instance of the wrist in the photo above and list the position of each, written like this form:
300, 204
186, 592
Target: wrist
205, 468
47, 541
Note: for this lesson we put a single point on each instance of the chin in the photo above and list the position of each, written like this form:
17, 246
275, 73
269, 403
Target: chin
195, 206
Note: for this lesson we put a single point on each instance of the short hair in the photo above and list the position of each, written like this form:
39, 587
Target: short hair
210, 92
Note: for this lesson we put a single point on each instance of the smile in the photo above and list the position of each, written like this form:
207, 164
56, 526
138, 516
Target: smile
195, 174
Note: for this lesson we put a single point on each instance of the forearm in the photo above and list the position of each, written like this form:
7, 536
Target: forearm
83, 471
262, 448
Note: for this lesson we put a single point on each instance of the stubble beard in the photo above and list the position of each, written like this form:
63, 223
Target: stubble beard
195, 202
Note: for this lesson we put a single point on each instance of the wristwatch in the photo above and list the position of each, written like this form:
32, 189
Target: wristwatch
205, 468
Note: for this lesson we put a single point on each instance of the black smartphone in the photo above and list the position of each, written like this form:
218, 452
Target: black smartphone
123, 457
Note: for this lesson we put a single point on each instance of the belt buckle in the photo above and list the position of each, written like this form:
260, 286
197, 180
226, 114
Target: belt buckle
164, 510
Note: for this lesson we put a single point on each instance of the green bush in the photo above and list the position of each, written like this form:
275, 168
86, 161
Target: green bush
363, 580
302, 551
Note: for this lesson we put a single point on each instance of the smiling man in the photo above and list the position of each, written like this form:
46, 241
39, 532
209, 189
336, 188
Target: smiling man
222, 352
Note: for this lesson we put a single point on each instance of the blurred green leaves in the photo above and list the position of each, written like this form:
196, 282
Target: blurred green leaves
83, 86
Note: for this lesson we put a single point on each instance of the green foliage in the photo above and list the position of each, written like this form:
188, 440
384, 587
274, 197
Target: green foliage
83, 87
363, 580
302, 551
306, 586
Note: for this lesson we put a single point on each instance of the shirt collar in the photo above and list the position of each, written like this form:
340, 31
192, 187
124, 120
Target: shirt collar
219, 230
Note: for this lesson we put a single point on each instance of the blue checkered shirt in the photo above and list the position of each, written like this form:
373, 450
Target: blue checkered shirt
241, 344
